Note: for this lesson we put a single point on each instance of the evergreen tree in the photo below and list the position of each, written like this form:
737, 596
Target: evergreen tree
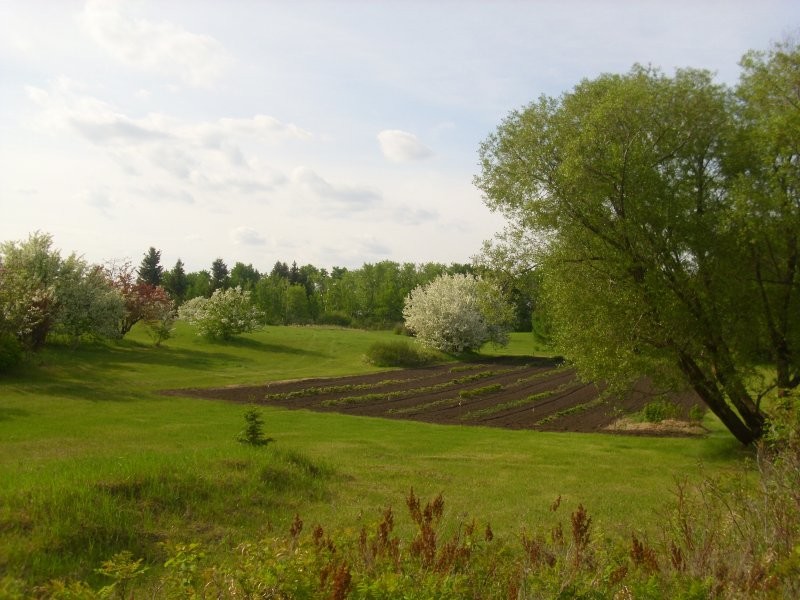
176, 282
294, 273
281, 269
150, 270
220, 277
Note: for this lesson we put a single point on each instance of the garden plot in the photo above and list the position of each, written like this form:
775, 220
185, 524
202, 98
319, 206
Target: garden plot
512, 393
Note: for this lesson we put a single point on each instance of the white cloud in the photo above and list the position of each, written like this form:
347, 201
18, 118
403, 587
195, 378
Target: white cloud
414, 216
247, 236
63, 105
339, 198
98, 199
161, 194
402, 146
161, 47
205, 154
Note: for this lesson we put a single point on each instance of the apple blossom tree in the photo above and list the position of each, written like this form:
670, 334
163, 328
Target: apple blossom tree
458, 313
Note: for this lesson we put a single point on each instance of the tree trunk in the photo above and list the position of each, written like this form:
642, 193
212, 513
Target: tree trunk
710, 394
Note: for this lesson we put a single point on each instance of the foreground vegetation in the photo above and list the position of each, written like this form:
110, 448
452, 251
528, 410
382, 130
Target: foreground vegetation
95, 462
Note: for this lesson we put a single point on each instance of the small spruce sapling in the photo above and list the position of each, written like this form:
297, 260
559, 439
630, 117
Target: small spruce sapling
253, 432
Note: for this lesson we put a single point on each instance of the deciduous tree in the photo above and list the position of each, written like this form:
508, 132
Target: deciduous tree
225, 314
457, 313
663, 220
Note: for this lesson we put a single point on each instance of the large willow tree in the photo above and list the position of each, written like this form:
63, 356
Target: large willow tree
662, 214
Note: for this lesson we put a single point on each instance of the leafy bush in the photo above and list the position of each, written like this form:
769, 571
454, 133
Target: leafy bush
457, 313
660, 410
398, 353
10, 352
334, 318
225, 314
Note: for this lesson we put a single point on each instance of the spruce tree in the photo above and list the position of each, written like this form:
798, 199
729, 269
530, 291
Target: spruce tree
150, 270
220, 276
176, 282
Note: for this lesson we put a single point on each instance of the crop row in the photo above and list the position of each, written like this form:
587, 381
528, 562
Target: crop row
408, 393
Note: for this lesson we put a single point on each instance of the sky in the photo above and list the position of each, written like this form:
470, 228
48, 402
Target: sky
332, 133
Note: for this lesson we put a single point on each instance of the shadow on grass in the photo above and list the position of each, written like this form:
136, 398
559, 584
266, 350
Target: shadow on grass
6, 414
260, 346
99, 371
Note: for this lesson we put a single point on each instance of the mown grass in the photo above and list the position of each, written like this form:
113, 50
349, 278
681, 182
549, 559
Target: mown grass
93, 460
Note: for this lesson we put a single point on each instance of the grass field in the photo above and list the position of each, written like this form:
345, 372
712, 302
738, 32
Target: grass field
93, 460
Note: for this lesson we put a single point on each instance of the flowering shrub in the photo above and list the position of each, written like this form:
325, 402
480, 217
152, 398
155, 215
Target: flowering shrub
456, 313
225, 314
88, 303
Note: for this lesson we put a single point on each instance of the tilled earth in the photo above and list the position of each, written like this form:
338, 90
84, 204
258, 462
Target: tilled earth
512, 393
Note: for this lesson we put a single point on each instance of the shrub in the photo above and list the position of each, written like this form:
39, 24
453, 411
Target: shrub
457, 313
334, 318
225, 314
10, 352
398, 353
697, 412
660, 410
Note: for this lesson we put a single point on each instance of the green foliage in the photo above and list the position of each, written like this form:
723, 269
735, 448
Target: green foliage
160, 323
10, 352
220, 276
198, 285
398, 353
337, 318
150, 270
123, 569
481, 391
244, 276
225, 314
661, 214
696, 413
660, 410
176, 282
88, 302
253, 432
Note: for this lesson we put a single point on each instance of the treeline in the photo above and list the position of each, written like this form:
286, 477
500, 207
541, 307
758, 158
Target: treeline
371, 296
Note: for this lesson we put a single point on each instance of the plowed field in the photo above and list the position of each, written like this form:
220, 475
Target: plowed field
509, 392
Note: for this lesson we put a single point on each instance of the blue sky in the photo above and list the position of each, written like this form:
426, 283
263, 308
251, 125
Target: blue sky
331, 133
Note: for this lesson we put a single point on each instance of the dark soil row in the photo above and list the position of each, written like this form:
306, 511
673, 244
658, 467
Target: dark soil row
513, 393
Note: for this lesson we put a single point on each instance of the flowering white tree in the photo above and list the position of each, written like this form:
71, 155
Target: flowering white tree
225, 314
454, 313
28, 276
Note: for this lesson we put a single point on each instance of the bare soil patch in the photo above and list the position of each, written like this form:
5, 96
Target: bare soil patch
507, 392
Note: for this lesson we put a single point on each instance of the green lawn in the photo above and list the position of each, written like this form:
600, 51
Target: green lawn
93, 460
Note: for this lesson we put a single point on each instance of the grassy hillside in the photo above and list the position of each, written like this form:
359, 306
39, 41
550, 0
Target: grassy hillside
93, 460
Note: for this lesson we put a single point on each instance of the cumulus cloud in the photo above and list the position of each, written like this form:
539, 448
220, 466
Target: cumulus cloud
63, 105
338, 196
159, 47
402, 146
161, 194
98, 198
207, 154
370, 245
413, 216
247, 236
